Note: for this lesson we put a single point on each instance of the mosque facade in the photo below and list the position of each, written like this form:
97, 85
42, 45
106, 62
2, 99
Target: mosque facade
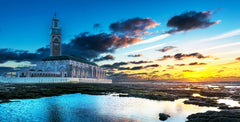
58, 65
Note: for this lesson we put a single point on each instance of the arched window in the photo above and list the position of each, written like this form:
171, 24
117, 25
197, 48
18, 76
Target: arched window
62, 69
49, 69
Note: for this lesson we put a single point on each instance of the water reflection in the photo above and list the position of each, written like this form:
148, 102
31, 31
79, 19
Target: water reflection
196, 95
79, 107
229, 102
54, 111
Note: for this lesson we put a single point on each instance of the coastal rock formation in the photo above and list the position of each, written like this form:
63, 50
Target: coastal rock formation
209, 102
214, 116
7, 101
202, 101
163, 116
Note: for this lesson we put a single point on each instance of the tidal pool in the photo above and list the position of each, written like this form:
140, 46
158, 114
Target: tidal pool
96, 108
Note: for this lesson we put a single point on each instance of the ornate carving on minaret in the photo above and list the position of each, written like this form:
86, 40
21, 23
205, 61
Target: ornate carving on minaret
55, 37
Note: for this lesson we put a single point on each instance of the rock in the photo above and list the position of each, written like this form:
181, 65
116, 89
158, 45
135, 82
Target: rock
215, 116
199, 120
7, 101
163, 116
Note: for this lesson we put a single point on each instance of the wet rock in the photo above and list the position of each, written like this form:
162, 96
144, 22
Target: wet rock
7, 101
227, 107
215, 116
163, 116
223, 107
202, 101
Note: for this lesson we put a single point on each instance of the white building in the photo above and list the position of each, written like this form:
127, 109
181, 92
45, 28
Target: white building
63, 66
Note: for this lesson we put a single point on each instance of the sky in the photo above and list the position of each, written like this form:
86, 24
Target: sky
134, 40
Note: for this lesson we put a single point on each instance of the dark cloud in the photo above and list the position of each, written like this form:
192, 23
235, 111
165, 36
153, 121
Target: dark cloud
180, 56
165, 49
108, 66
133, 27
129, 75
115, 65
87, 45
140, 62
96, 25
110, 73
91, 46
167, 75
107, 57
166, 57
137, 55
188, 71
154, 72
19, 55
137, 68
129, 68
180, 64
153, 65
191, 64
196, 63
119, 64
84, 45
140, 74
238, 58
124, 68
190, 21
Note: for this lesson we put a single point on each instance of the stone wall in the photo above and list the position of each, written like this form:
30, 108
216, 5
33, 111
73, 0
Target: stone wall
67, 68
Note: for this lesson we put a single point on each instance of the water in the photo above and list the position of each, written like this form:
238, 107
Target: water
229, 102
90, 108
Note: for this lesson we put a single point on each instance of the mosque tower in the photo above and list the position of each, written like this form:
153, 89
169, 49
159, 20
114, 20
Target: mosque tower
55, 38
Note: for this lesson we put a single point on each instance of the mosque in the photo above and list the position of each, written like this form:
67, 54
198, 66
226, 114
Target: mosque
63, 66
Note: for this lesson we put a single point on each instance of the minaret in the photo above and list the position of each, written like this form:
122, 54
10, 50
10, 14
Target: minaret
55, 38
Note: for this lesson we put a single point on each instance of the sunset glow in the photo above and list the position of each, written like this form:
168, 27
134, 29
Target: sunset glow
153, 40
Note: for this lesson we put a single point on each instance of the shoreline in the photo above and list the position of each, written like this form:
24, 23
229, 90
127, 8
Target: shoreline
168, 92
207, 96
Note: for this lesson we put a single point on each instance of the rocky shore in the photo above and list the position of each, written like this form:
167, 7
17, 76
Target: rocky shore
206, 96
149, 91
170, 92
214, 116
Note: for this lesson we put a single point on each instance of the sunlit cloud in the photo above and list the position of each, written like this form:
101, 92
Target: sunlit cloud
187, 71
196, 63
238, 58
165, 49
107, 57
180, 56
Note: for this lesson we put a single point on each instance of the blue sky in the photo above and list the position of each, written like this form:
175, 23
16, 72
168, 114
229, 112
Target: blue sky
34, 17
25, 25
